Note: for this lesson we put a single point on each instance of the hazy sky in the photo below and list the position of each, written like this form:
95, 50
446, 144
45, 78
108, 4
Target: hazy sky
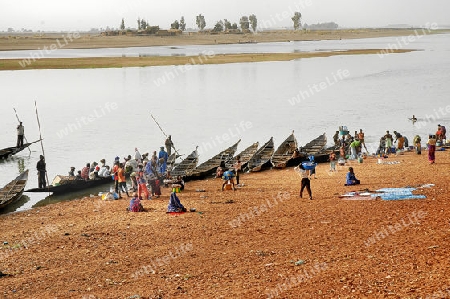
85, 14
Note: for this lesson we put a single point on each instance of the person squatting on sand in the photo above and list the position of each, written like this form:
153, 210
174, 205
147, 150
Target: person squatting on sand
175, 205
306, 183
351, 178
135, 204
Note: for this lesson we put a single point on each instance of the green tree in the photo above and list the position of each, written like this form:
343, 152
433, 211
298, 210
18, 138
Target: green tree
226, 24
139, 23
245, 24
144, 24
297, 19
182, 24
234, 26
218, 27
122, 25
200, 21
253, 22
175, 25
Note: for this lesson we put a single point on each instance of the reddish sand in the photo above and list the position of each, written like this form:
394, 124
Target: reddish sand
258, 242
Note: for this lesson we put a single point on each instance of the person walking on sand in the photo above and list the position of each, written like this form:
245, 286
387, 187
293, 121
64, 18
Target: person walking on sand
142, 185
400, 139
431, 143
20, 134
361, 139
306, 182
122, 180
237, 168
162, 162
417, 145
388, 142
332, 159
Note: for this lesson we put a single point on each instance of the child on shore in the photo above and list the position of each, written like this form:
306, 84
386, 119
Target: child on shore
332, 159
135, 204
351, 178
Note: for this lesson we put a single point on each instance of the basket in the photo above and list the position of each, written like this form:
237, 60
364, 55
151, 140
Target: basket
309, 165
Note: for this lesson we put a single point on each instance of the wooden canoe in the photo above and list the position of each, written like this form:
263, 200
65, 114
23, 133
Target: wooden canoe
284, 152
9, 151
261, 159
209, 167
12, 191
185, 166
66, 184
245, 156
315, 147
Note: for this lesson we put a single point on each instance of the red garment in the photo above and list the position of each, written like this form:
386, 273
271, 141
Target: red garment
142, 188
115, 169
85, 173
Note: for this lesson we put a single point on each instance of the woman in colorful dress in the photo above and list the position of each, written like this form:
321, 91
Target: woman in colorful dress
431, 148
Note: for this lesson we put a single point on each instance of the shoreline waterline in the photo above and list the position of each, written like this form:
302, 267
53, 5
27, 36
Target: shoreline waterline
211, 58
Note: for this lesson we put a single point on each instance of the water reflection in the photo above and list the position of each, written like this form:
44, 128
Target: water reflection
15, 205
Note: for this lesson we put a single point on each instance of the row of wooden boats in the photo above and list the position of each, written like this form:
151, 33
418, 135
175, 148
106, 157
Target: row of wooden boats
12, 191
253, 159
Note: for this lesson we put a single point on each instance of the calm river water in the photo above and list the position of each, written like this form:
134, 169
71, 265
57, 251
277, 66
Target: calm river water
90, 114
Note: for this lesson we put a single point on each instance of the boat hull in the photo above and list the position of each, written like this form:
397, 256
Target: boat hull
73, 186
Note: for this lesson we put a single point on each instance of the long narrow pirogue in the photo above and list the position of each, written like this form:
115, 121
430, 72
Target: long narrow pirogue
312, 148
65, 184
185, 166
13, 190
245, 156
9, 151
261, 159
284, 152
209, 167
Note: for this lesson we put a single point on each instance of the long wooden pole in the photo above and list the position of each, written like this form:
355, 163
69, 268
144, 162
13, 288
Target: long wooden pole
176, 152
40, 137
23, 134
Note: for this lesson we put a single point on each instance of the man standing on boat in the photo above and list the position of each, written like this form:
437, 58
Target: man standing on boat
20, 134
40, 166
169, 145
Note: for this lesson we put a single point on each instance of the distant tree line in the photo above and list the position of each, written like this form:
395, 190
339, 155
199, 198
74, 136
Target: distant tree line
245, 23
322, 26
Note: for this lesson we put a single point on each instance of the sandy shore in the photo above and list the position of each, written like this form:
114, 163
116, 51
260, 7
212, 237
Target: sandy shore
260, 241
185, 61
